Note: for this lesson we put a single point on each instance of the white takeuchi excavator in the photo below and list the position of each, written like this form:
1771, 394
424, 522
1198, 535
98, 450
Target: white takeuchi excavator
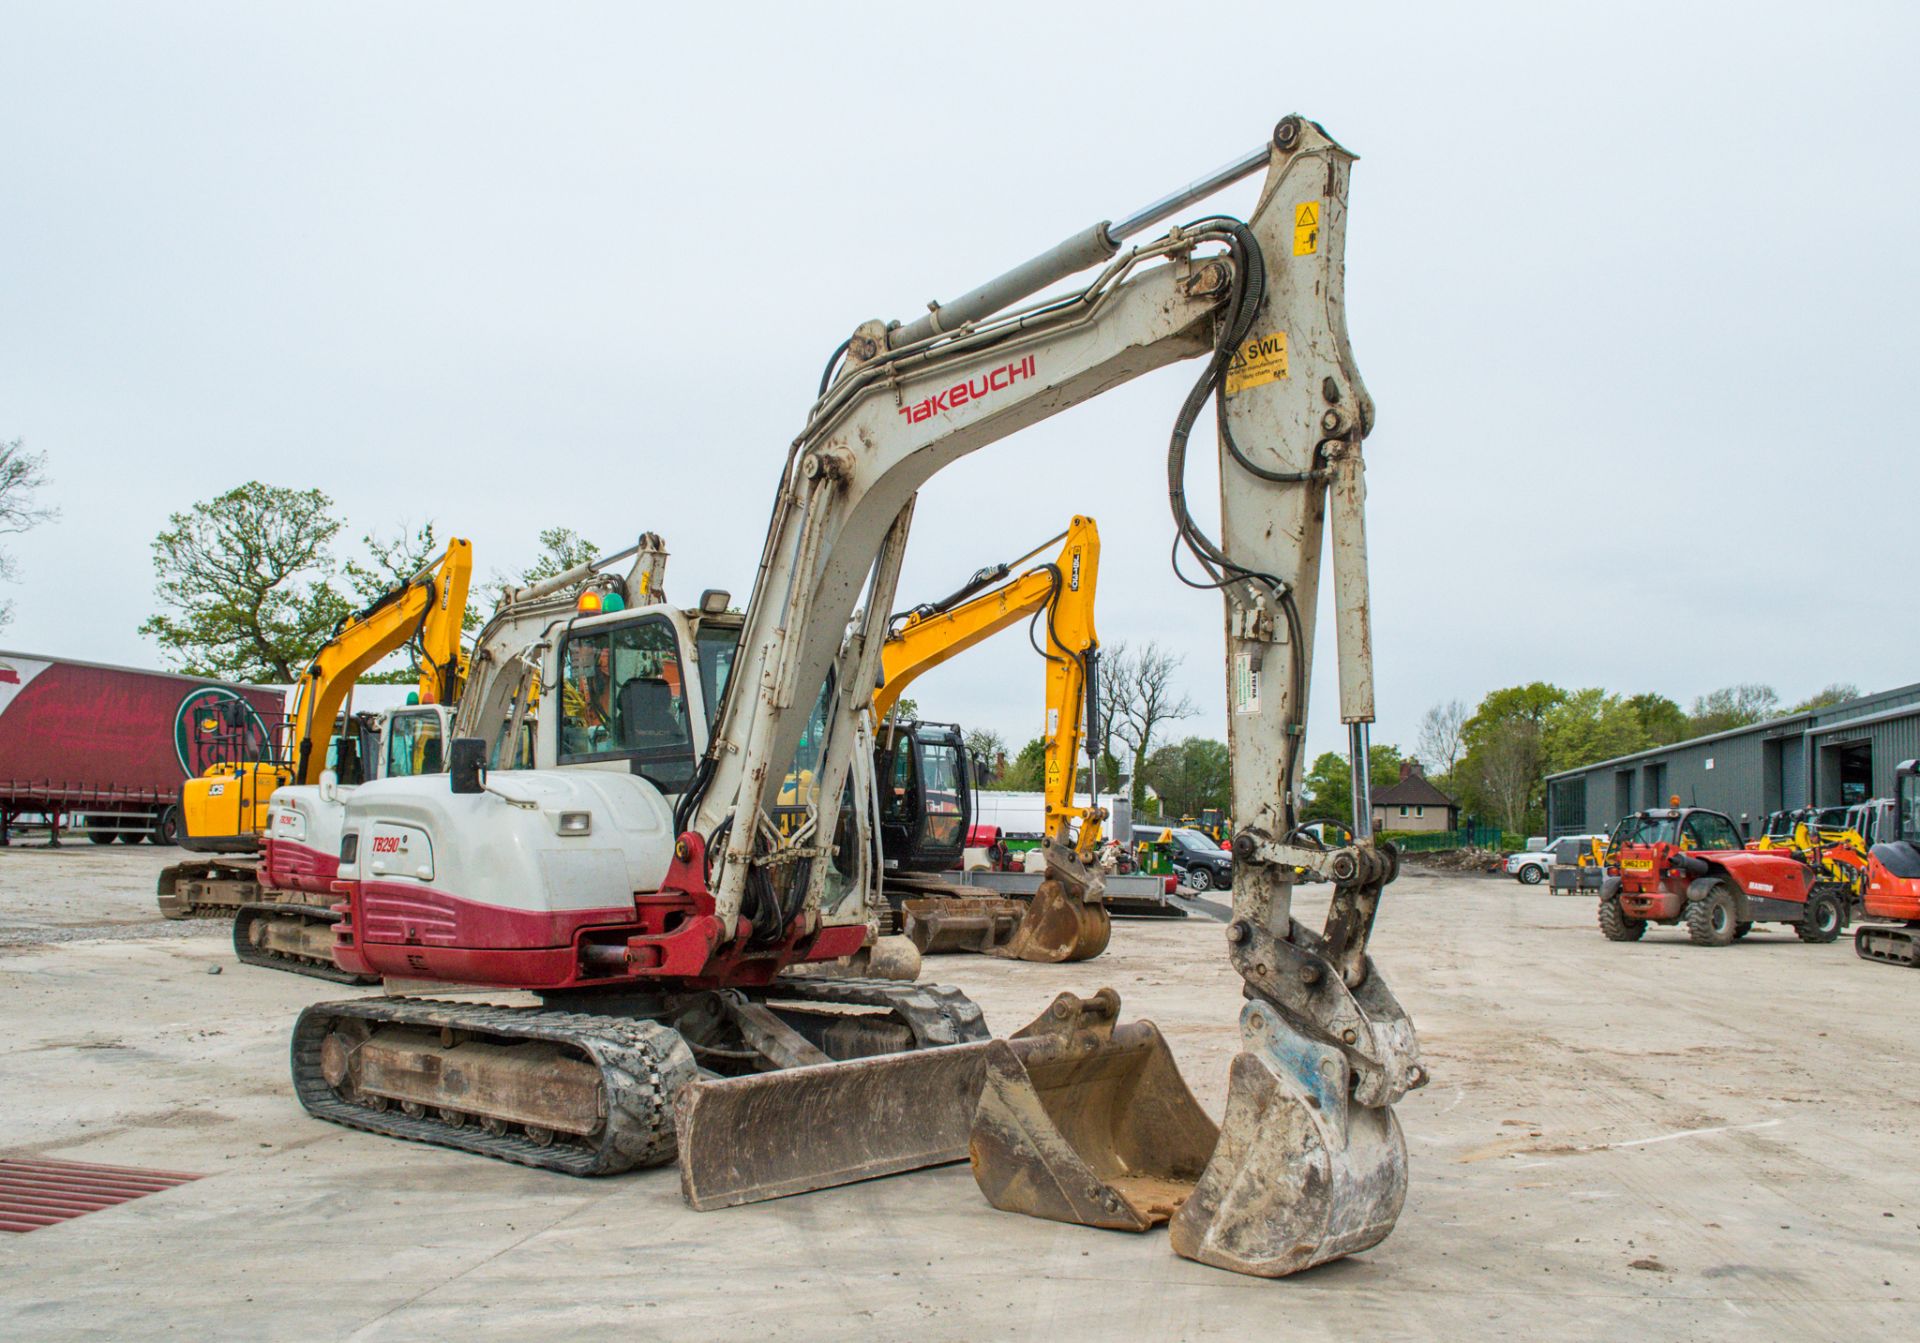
654, 905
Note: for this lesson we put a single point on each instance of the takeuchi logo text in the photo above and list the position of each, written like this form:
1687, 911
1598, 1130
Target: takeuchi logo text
973, 389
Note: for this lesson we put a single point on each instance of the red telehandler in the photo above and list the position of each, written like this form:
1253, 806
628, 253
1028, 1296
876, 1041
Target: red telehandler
1686, 865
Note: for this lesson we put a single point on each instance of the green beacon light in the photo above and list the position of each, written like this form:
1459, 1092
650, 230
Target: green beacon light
612, 601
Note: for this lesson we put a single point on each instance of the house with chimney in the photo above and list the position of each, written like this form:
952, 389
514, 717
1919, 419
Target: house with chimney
1413, 803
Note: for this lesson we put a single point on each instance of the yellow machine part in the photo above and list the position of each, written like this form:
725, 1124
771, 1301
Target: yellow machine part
229, 802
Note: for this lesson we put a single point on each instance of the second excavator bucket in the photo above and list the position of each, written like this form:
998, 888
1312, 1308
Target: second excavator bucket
1060, 924
1082, 1120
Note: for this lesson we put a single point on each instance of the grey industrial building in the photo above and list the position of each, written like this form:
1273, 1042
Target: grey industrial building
1839, 755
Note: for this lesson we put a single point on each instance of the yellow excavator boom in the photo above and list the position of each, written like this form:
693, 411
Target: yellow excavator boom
226, 808
1064, 589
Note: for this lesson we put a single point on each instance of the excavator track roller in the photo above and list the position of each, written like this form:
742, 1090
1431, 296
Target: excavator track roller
292, 937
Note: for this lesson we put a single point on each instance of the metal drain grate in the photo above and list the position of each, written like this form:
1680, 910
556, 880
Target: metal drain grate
36, 1193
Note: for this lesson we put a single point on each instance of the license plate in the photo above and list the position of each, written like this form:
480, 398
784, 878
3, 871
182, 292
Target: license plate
1638, 864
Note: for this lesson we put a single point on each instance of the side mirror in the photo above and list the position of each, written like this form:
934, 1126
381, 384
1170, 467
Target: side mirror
329, 787
467, 764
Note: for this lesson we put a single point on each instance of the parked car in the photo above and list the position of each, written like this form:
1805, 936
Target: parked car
1532, 866
1198, 861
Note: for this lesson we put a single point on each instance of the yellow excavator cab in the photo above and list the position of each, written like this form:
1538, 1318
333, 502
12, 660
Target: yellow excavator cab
225, 809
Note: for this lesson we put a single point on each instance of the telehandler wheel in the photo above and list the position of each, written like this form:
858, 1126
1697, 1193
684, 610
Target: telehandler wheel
1710, 921
1740, 930
1615, 926
1823, 920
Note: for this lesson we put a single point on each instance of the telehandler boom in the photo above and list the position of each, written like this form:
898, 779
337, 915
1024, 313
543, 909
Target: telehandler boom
657, 902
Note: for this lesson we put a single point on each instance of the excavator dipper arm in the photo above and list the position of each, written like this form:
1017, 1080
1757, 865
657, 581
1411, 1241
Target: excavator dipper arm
1309, 1163
432, 604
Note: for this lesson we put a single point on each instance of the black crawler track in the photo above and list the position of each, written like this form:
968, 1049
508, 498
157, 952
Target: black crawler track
642, 1067
272, 960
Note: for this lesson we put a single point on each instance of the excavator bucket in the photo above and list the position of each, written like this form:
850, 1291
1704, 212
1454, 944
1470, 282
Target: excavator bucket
1059, 925
1081, 1120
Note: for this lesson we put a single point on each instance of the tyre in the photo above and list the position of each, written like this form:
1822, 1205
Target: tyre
1823, 920
1740, 930
167, 829
130, 836
1199, 878
1710, 921
1530, 875
98, 836
1615, 926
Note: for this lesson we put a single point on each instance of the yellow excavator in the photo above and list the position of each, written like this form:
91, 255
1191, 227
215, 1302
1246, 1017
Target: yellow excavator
1058, 596
227, 810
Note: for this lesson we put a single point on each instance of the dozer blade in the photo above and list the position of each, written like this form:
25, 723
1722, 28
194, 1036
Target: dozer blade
1059, 925
747, 1139
1080, 1120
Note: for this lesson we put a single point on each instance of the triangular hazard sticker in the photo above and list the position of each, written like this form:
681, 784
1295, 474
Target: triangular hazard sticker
1305, 214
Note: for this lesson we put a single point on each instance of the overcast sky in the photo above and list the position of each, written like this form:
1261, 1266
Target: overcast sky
1633, 286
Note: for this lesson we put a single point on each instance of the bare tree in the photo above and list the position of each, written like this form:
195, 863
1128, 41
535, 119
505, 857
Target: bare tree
1145, 698
1442, 737
1509, 764
1114, 662
22, 475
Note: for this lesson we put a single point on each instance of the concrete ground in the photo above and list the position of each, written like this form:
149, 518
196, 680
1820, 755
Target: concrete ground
1648, 1141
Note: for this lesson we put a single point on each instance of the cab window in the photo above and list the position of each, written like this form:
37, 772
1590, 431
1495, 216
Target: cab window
413, 745
1706, 831
717, 644
624, 697
941, 763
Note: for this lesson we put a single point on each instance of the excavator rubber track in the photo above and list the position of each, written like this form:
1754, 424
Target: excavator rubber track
937, 1014
261, 937
639, 1067
595, 1097
1890, 944
208, 889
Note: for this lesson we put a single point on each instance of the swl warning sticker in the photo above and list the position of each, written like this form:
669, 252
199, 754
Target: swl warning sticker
1260, 360
1306, 228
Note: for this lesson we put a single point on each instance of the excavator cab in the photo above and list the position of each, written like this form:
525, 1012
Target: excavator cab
926, 795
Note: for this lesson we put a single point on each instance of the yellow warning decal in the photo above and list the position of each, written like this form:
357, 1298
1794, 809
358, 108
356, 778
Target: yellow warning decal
1261, 360
1306, 228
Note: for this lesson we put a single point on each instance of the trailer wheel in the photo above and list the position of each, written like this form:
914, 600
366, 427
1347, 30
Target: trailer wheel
1615, 926
167, 829
1823, 920
98, 836
1710, 920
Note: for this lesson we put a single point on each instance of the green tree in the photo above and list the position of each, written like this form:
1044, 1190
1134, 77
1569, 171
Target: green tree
1589, 725
1028, 772
906, 709
1503, 773
561, 548
1328, 787
1661, 719
1189, 775
245, 580
23, 475
1732, 706
1837, 693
